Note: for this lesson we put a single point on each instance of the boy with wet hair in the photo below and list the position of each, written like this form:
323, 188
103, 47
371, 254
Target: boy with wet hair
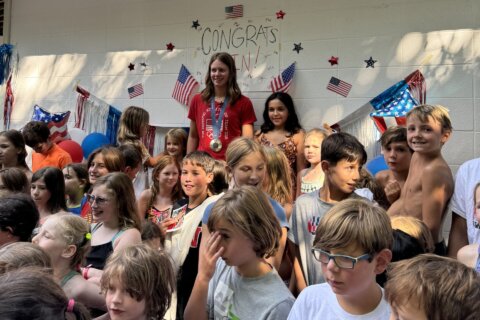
429, 184
352, 246
342, 158
46, 152
397, 155
433, 287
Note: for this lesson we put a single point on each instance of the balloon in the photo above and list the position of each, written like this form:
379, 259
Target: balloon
77, 135
73, 149
376, 164
93, 141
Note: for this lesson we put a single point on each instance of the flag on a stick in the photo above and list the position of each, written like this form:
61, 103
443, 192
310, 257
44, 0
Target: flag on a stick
135, 91
184, 86
338, 86
282, 82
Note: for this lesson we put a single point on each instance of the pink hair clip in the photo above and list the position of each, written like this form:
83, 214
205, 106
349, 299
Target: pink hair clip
71, 304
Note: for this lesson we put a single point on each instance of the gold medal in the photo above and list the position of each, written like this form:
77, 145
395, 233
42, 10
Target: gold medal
216, 145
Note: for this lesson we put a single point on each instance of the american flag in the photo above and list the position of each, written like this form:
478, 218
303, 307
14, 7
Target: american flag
57, 123
234, 11
394, 113
282, 82
135, 91
338, 86
184, 86
8, 104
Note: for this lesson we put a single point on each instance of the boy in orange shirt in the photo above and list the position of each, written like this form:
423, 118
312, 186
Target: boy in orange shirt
46, 152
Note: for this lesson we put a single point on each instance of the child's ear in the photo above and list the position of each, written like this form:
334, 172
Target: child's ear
325, 165
69, 251
445, 136
382, 258
209, 177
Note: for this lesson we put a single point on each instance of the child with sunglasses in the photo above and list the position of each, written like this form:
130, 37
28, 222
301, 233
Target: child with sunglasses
353, 244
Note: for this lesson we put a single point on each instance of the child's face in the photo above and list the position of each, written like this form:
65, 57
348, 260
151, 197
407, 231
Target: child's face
278, 113
343, 176
312, 149
350, 282
97, 168
219, 73
49, 239
173, 147
408, 311
397, 155
104, 205
477, 204
72, 183
425, 137
39, 192
121, 305
8, 152
238, 248
194, 180
168, 177
251, 170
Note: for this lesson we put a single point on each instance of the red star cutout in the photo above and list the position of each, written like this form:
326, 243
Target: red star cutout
333, 60
280, 14
170, 46
131, 66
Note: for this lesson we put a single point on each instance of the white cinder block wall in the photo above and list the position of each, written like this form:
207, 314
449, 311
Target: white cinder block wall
61, 42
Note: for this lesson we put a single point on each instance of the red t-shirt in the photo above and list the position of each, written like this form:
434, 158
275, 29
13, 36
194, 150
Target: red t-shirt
234, 118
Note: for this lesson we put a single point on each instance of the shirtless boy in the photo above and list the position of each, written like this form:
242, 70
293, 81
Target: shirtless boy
429, 184
397, 155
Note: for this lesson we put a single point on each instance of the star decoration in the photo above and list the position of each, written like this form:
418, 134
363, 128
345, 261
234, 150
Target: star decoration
333, 60
297, 47
280, 14
131, 66
370, 62
170, 46
143, 65
195, 24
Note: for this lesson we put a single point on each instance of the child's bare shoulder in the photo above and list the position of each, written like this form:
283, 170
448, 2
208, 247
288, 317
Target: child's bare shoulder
383, 176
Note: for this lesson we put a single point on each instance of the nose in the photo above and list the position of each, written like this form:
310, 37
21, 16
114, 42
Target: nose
117, 297
35, 239
332, 266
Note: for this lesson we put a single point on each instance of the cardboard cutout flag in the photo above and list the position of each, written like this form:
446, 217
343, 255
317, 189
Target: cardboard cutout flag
57, 123
338, 86
282, 82
394, 113
234, 11
135, 91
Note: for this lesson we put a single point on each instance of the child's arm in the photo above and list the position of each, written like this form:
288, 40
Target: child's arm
142, 204
458, 235
300, 137
297, 269
192, 142
247, 130
129, 237
436, 191
208, 256
89, 294
299, 182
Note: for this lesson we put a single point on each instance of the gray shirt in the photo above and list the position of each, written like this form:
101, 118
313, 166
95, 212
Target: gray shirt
306, 215
231, 296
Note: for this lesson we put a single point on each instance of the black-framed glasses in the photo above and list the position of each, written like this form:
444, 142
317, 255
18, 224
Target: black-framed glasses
100, 201
341, 261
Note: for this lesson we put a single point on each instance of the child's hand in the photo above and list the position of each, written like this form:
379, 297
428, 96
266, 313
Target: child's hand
209, 254
392, 191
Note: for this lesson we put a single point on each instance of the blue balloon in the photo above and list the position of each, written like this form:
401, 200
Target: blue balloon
93, 141
376, 164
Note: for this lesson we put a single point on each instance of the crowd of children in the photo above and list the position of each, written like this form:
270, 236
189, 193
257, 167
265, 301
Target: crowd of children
232, 224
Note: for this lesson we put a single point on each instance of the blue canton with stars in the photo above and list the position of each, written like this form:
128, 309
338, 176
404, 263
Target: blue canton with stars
398, 107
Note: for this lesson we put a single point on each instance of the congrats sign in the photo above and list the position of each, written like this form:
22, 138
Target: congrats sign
253, 43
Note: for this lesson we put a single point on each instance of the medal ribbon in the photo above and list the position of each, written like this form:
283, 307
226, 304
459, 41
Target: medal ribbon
217, 123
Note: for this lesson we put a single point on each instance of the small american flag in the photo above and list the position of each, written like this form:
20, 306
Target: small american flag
282, 82
339, 86
234, 11
184, 86
135, 91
